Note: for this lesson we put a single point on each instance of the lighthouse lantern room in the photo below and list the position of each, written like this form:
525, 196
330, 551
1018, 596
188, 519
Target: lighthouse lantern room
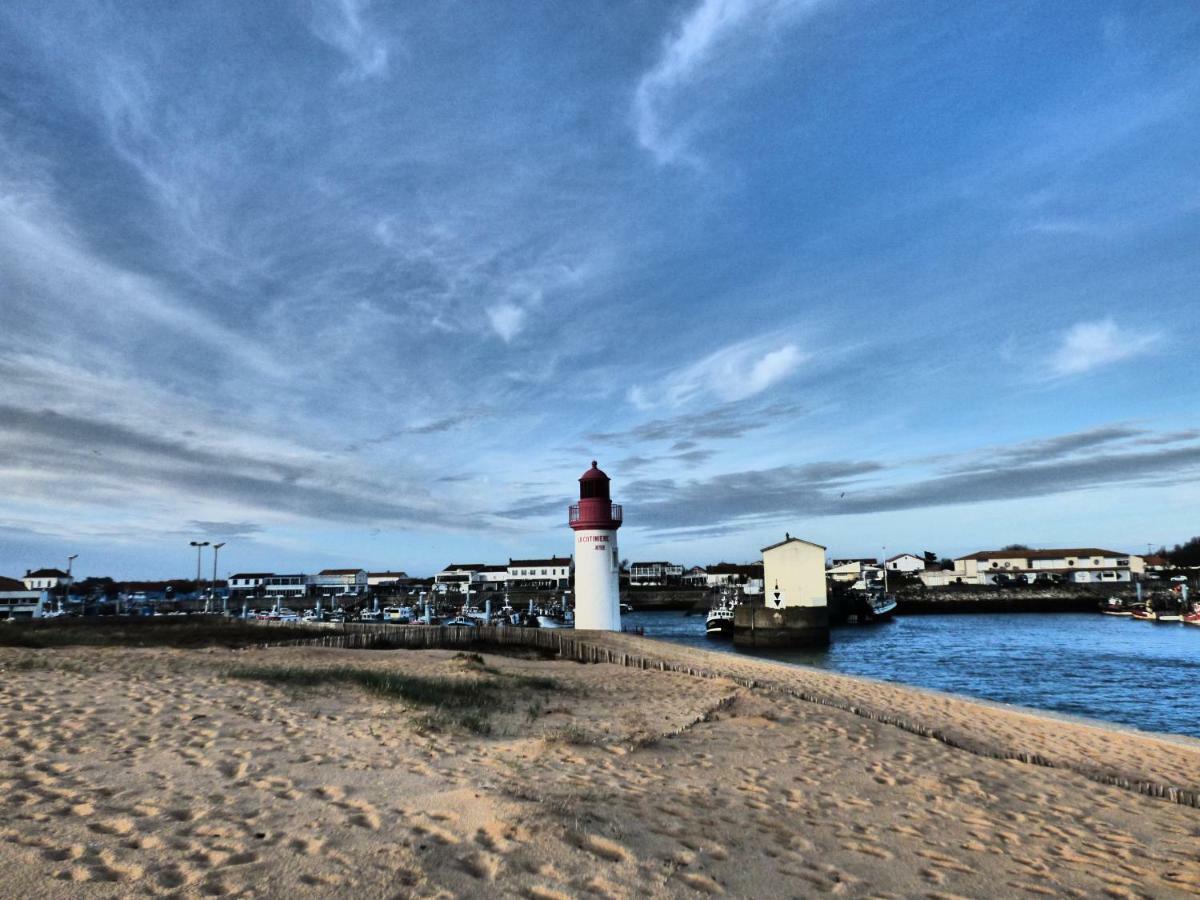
595, 520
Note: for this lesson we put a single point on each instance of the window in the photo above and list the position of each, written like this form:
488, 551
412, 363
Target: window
1070, 562
1122, 562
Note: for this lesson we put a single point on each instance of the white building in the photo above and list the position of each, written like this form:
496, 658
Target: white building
905, 562
657, 574
285, 589
375, 579
46, 580
1080, 565
19, 602
539, 574
794, 574
490, 578
456, 575
247, 584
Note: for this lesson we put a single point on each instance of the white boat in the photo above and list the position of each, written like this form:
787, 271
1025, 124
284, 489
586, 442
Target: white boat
461, 621
719, 621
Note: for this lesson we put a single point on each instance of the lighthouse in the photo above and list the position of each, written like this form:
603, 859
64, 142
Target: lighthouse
595, 520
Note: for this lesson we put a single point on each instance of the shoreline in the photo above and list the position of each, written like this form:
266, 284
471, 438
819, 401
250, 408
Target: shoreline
673, 772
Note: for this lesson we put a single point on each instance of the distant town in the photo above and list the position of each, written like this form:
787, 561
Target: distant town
355, 587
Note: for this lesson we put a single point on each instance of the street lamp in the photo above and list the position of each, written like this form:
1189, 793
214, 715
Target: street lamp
67, 586
216, 550
198, 545
885, 569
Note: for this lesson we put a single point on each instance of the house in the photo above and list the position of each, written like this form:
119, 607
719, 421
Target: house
696, 576
375, 579
46, 579
285, 589
724, 574
457, 575
906, 563
19, 602
657, 574
1081, 565
539, 574
339, 582
247, 584
490, 578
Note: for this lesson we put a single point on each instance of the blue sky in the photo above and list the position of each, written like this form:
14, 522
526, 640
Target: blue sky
354, 283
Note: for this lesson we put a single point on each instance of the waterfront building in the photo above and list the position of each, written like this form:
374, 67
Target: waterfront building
375, 579
285, 589
852, 571
247, 585
330, 583
794, 610
491, 578
724, 574
1079, 565
539, 574
456, 575
656, 574
595, 520
696, 576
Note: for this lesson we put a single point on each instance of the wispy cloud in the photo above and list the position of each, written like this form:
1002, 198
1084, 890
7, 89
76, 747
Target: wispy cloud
507, 320
732, 373
1089, 345
342, 25
698, 41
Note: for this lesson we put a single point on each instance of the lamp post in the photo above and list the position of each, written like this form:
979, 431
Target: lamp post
885, 569
224, 604
67, 586
198, 545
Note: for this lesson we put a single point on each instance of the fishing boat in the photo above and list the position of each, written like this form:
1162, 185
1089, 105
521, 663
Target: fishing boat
873, 607
719, 621
461, 621
1193, 618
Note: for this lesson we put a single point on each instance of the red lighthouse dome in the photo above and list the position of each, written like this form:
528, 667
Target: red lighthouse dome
595, 509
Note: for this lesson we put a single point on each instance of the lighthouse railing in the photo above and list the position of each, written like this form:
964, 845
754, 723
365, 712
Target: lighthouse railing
614, 514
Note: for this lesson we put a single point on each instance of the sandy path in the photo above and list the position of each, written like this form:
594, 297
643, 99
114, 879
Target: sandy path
147, 772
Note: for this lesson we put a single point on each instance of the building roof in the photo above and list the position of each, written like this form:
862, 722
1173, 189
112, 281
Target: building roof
463, 567
552, 561
387, 574
252, 575
11, 584
47, 573
340, 571
902, 555
1055, 553
788, 539
725, 568
499, 567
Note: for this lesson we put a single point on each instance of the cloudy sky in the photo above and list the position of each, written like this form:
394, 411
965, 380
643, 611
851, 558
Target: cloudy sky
369, 283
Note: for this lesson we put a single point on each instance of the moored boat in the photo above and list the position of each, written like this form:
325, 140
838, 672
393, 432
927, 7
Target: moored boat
719, 622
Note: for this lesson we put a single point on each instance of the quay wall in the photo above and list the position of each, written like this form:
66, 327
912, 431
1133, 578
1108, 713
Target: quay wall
972, 599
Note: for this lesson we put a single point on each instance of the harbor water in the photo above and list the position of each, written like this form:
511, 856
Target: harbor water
1138, 674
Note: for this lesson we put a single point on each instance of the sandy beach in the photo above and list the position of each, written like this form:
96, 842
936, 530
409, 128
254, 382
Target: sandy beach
143, 772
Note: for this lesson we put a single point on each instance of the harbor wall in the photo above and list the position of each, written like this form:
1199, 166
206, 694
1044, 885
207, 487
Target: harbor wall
971, 599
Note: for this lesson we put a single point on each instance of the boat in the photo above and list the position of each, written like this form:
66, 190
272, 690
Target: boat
1192, 618
873, 607
1115, 606
370, 615
626, 608
553, 620
461, 621
719, 621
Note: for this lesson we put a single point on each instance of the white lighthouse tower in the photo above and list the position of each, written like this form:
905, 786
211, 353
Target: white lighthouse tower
595, 520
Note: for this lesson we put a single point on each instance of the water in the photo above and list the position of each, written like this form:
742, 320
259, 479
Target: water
1138, 674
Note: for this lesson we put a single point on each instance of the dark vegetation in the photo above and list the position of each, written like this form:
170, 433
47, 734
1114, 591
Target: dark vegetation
160, 631
466, 703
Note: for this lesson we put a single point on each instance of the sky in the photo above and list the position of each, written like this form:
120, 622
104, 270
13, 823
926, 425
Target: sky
349, 283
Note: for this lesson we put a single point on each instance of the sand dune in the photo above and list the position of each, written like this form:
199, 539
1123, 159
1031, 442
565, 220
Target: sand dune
151, 772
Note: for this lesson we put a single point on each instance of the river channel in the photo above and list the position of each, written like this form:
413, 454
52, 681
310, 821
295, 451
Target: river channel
1138, 674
